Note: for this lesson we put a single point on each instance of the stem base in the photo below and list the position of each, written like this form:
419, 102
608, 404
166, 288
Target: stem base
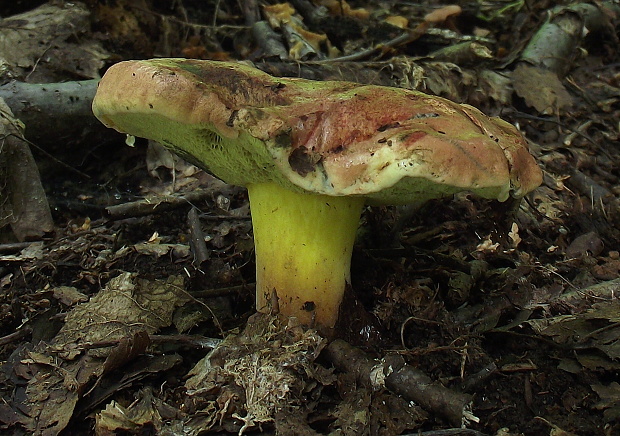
303, 248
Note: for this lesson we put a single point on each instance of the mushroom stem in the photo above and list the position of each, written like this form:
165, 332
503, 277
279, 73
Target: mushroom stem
303, 248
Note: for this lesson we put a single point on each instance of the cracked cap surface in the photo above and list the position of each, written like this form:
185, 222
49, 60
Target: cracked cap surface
390, 145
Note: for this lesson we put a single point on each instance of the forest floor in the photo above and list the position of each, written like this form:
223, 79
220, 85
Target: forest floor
113, 324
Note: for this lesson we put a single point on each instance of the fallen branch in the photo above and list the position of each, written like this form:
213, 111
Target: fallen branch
398, 377
13, 247
54, 112
15, 336
149, 206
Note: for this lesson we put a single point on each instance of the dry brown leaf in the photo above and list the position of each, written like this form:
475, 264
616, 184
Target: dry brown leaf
125, 306
610, 400
23, 203
540, 89
341, 7
45, 38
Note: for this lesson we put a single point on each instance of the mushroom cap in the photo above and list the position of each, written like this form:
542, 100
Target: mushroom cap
390, 145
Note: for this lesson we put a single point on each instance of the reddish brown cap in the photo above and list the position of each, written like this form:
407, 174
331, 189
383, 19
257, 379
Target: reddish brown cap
390, 145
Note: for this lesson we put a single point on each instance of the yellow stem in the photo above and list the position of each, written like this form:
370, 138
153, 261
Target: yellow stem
303, 248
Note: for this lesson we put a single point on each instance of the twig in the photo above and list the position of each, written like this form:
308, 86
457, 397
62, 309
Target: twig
398, 377
404, 324
474, 380
311, 12
184, 22
15, 336
222, 292
525, 116
448, 261
13, 247
193, 341
580, 299
225, 217
215, 13
160, 204
197, 238
36, 63
251, 12
587, 186
410, 35
381, 49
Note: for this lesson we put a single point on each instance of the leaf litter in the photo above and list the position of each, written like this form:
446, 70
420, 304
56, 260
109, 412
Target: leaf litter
533, 296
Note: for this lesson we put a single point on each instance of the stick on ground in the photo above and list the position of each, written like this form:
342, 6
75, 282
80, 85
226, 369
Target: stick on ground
402, 379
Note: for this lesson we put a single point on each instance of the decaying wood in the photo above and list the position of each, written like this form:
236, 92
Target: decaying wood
55, 114
402, 379
581, 196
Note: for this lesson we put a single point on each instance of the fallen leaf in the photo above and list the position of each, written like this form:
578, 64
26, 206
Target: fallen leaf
541, 89
610, 400
52, 38
68, 295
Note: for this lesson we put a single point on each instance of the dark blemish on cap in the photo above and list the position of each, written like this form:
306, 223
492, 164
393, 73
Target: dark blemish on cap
303, 162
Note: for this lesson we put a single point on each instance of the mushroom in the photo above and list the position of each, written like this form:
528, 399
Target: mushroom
311, 155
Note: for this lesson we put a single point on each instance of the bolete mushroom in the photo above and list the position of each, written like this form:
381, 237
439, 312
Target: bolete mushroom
312, 154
